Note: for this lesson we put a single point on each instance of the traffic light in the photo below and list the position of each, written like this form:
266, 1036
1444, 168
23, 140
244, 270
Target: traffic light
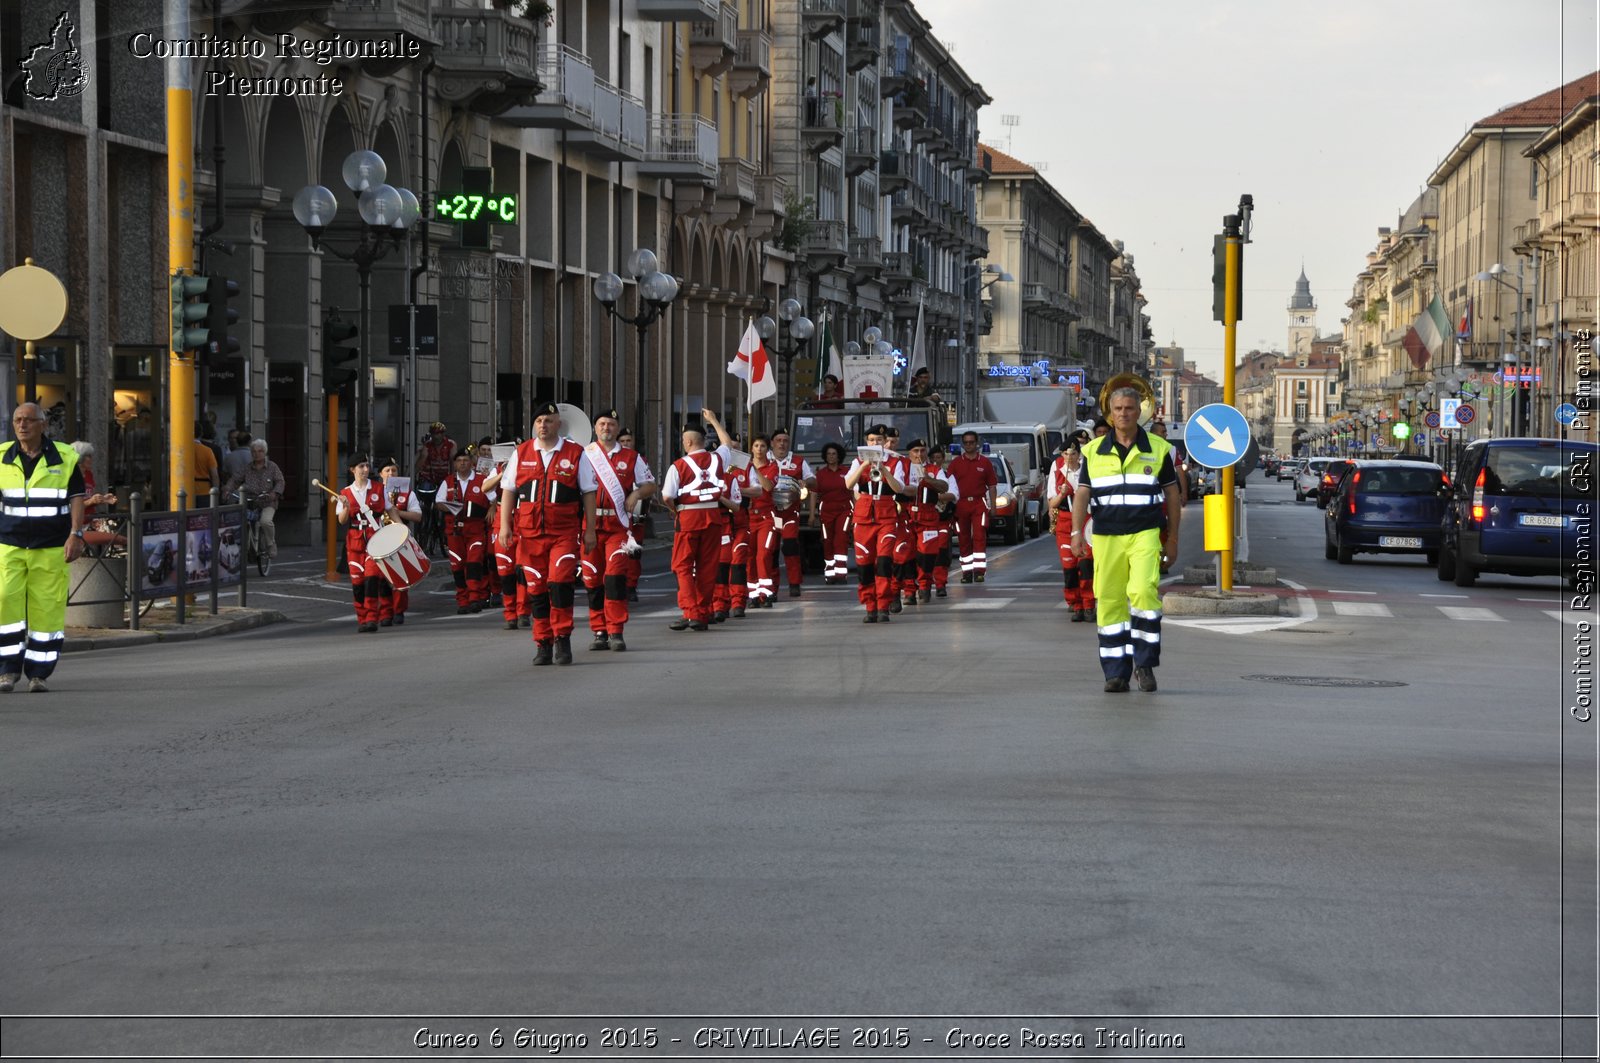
340, 354
1219, 281
187, 312
219, 315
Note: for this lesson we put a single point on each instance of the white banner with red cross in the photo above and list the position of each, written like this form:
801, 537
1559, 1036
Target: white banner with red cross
868, 376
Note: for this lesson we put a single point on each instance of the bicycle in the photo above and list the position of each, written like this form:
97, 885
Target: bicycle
253, 550
430, 534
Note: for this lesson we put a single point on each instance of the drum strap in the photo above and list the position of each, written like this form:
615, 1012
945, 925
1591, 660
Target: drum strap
607, 476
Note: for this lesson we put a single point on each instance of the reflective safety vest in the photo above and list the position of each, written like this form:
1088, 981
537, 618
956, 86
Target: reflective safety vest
474, 503
699, 480
550, 500
875, 502
35, 512
1125, 493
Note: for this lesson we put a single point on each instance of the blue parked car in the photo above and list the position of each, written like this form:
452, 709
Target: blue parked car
1520, 506
1386, 507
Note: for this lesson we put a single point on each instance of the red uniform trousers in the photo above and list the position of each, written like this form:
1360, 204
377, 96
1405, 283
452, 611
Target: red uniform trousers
549, 563
513, 591
875, 545
764, 551
905, 556
733, 586
788, 523
468, 542
605, 577
835, 541
374, 595
1077, 573
972, 526
695, 546
933, 555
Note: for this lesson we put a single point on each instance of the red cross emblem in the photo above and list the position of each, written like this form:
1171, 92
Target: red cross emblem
868, 392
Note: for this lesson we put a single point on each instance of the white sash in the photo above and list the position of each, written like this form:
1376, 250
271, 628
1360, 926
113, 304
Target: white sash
607, 476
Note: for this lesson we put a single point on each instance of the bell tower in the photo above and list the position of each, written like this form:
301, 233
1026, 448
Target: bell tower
1302, 321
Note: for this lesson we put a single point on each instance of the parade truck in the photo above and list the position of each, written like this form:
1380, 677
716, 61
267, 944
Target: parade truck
845, 421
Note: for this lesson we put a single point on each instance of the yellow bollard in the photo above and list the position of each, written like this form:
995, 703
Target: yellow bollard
1219, 530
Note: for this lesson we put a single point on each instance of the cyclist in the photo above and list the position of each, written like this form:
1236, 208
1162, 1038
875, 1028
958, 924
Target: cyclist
262, 481
433, 462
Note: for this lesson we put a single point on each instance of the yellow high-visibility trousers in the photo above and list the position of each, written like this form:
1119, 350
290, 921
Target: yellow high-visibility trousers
33, 609
1127, 591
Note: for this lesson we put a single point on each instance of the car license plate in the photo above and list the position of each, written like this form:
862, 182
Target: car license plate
1541, 520
1410, 542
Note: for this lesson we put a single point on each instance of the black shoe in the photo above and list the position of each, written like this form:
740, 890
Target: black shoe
883, 618
870, 618
699, 625
564, 649
602, 641
941, 592
541, 656
1118, 685
461, 610
738, 612
794, 590
923, 596
366, 629
524, 621
493, 602
475, 607
633, 594
617, 645
511, 625
1079, 616
386, 623
911, 598
719, 616
966, 577
979, 577
680, 624
399, 618
1146, 678
894, 606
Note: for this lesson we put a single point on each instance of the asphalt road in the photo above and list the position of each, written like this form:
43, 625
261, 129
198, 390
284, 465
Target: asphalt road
800, 815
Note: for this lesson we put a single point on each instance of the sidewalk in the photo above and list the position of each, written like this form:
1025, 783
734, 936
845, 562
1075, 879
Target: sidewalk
161, 625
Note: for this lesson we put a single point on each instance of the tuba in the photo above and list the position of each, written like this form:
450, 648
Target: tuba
575, 424
1147, 397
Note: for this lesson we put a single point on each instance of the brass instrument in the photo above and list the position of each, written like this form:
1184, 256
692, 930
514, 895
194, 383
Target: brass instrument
575, 424
1147, 397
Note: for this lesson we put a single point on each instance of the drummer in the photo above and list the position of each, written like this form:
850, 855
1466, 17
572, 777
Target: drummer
402, 505
787, 519
360, 506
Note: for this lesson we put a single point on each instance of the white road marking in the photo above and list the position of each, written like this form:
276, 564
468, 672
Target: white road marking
982, 603
1543, 601
1461, 612
1446, 596
1568, 616
1361, 609
1332, 590
302, 597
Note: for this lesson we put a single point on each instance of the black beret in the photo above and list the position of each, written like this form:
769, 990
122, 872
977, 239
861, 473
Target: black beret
607, 413
464, 452
546, 409
915, 443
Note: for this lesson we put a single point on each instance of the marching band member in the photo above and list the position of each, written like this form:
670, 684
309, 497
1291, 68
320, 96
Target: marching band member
625, 481
788, 520
359, 506
764, 531
513, 588
694, 489
876, 485
466, 509
550, 486
905, 547
830, 502
402, 505
928, 527
975, 479
736, 566
1077, 569
635, 561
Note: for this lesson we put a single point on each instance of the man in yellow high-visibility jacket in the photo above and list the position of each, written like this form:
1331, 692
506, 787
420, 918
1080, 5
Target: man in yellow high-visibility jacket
41, 530
1129, 477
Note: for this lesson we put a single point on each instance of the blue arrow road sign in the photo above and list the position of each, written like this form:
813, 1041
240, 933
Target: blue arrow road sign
1216, 435
1566, 413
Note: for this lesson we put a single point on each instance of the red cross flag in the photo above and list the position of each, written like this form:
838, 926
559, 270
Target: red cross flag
752, 365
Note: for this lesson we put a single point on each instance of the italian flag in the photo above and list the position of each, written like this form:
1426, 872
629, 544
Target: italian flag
1425, 338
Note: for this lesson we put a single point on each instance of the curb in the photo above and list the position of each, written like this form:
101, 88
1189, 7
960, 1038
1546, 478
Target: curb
85, 639
1220, 603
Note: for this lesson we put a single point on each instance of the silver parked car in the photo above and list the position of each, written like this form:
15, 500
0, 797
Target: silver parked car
1308, 477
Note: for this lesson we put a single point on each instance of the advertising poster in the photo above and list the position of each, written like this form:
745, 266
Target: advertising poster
158, 572
229, 546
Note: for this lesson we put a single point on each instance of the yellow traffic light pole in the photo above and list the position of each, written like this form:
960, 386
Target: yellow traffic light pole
1235, 231
180, 245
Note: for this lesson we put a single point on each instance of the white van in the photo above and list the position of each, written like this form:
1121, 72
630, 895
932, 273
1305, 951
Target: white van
1026, 449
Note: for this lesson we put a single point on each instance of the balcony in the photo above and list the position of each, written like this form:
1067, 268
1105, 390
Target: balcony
909, 206
485, 59
862, 10
825, 245
1035, 297
772, 210
905, 299
822, 124
714, 45
383, 20
860, 46
860, 150
567, 99
893, 172
679, 10
911, 111
897, 268
681, 147
735, 203
752, 66
866, 255
818, 18
620, 128
901, 74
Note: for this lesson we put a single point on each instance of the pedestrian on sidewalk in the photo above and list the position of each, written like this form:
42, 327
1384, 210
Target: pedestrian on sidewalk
41, 532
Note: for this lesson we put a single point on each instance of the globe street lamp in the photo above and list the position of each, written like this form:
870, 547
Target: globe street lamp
967, 374
387, 215
1497, 273
656, 291
800, 328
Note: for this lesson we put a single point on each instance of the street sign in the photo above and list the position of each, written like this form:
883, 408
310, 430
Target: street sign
1217, 436
1566, 413
1448, 409
1465, 414
1431, 420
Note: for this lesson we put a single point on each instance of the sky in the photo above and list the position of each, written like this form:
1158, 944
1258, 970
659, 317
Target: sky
1152, 117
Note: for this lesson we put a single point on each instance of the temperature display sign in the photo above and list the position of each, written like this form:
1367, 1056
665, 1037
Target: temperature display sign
461, 206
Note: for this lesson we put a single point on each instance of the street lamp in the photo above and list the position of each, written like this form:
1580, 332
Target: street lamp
657, 290
387, 214
801, 329
968, 374
1495, 273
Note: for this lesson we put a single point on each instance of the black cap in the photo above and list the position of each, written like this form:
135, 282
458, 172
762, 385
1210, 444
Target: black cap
937, 448
463, 452
607, 413
546, 409
358, 459
388, 462
915, 443
878, 430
